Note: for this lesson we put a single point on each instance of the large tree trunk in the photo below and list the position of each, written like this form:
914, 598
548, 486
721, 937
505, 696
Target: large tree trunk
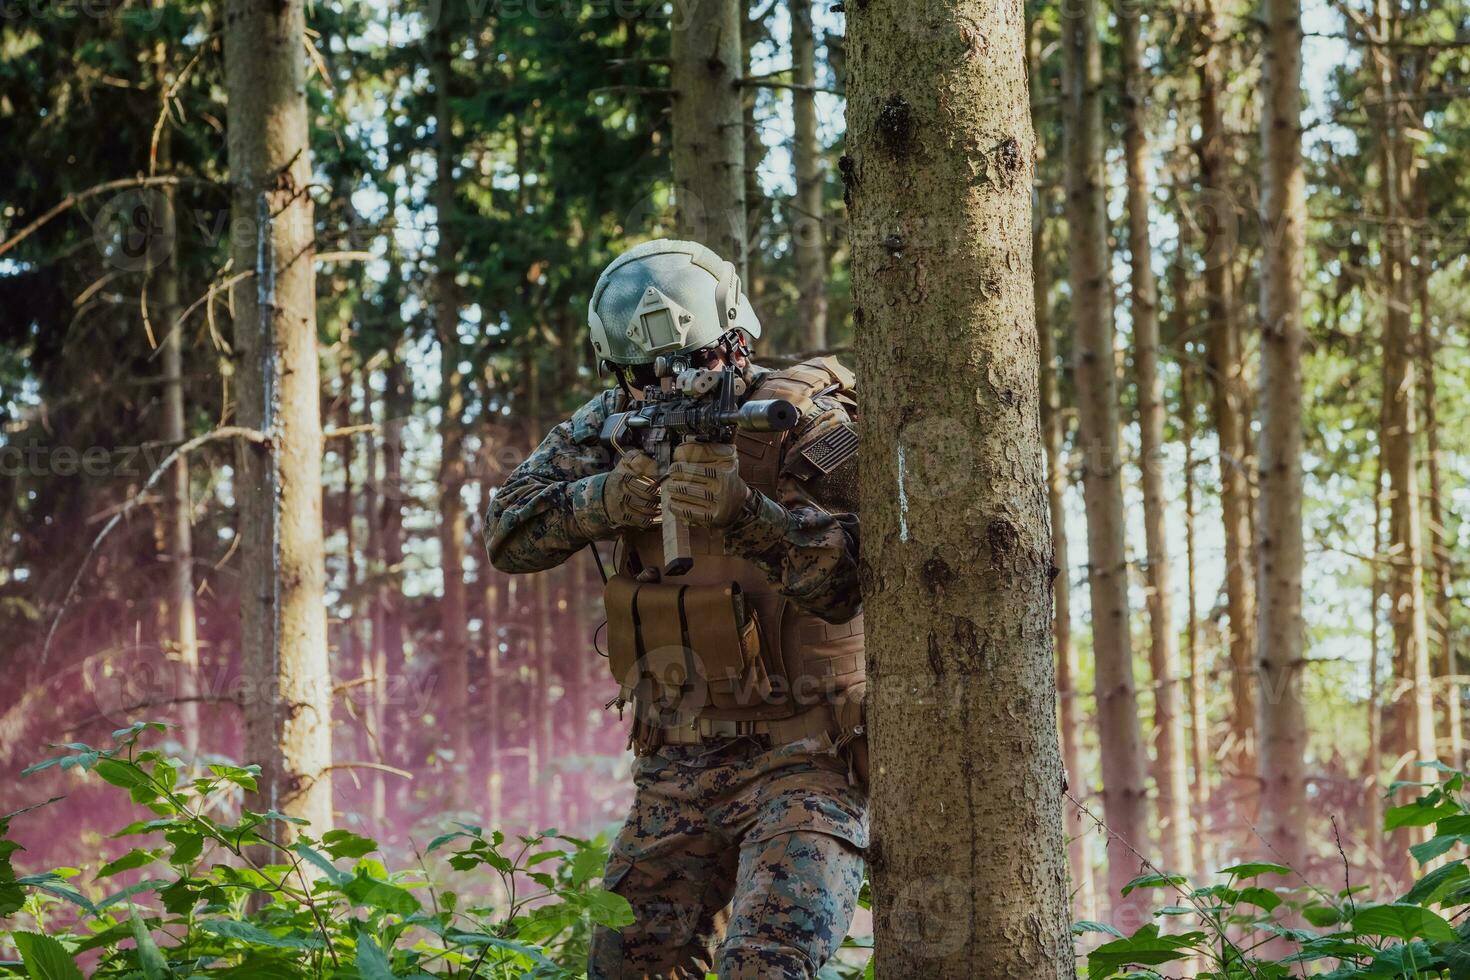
1170, 763
709, 127
756, 205
1124, 793
1223, 350
1281, 631
283, 635
453, 615
1069, 710
808, 229
956, 545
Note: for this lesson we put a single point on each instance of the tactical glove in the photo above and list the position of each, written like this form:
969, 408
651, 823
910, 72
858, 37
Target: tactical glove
626, 497
703, 485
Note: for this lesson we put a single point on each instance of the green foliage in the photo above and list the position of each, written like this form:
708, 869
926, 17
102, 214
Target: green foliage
261, 896
1256, 924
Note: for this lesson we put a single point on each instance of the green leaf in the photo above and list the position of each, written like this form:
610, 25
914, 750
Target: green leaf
155, 967
1261, 898
1154, 881
381, 895
344, 843
1087, 925
372, 963
128, 892
495, 942
1255, 869
123, 774
1401, 921
334, 874
608, 909
51, 884
1435, 885
44, 957
253, 935
1434, 847
1322, 916
187, 845
136, 858
1420, 813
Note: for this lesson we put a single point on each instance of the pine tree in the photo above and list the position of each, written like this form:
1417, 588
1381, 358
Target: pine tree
956, 543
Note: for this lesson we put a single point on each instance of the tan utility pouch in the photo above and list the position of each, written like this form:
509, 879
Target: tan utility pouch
684, 646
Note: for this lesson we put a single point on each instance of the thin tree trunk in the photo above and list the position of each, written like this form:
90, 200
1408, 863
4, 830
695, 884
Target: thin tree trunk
397, 406
956, 543
1199, 720
1124, 792
1227, 405
288, 720
1281, 548
1415, 716
453, 615
1182, 289
1374, 762
808, 229
709, 126
1170, 757
756, 205
182, 638
373, 666
1438, 530
1069, 711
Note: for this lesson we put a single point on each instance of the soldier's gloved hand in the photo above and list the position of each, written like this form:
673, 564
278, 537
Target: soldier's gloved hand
630, 493
703, 484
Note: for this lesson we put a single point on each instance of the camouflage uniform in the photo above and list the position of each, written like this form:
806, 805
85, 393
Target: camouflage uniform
736, 854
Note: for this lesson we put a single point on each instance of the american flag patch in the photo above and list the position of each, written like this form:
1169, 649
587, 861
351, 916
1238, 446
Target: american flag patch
832, 449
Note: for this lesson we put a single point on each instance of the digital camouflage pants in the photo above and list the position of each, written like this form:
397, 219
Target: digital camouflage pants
736, 858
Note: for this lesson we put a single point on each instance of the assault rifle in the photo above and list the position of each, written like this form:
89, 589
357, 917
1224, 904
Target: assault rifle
695, 404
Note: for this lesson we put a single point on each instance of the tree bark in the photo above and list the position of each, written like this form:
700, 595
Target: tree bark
956, 561
1227, 404
182, 638
1281, 547
1440, 621
453, 614
397, 406
288, 714
1124, 793
1372, 794
1414, 728
808, 227
709, 126
1170, 757
1199, 720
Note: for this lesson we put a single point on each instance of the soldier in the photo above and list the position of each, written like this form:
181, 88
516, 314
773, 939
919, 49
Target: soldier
742, 851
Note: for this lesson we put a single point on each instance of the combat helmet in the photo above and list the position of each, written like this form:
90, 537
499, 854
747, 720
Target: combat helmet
666, 297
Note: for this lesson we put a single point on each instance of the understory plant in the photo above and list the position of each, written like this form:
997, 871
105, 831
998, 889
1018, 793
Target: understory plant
1259, 923
231, 897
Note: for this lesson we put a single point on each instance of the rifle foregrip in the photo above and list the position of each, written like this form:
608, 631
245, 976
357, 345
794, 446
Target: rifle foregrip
678, 556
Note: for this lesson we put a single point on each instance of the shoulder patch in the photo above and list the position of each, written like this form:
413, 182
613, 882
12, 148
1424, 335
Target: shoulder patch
833, 448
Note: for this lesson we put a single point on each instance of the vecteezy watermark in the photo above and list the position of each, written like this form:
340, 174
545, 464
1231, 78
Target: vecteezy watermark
35, 458
135, 229
143, 15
